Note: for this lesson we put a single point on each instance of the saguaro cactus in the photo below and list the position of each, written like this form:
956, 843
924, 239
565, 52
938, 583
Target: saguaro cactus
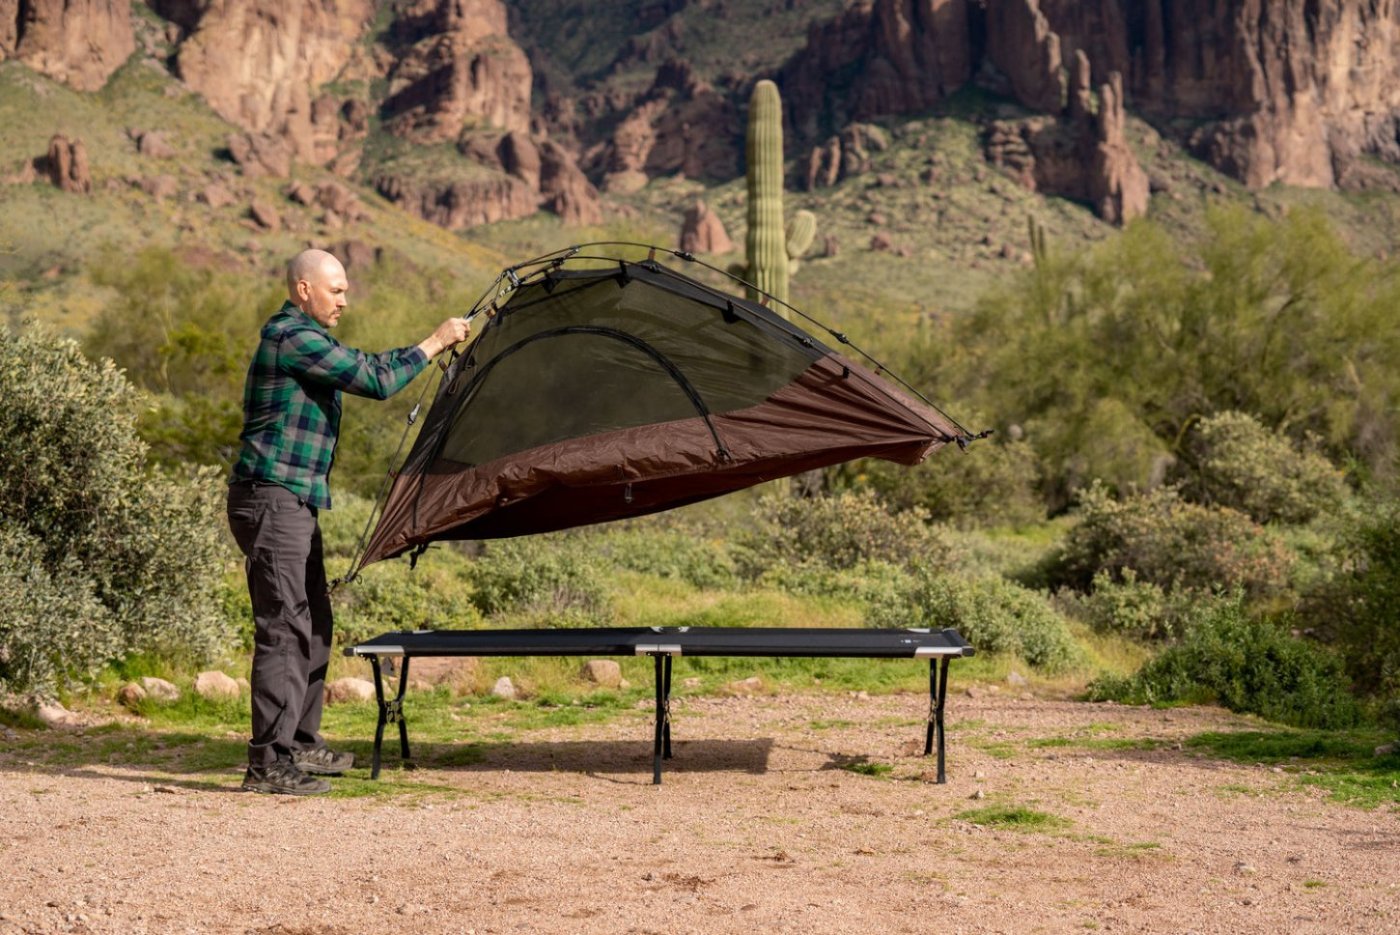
766, 242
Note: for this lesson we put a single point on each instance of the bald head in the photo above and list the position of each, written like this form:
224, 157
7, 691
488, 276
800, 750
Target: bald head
316, 284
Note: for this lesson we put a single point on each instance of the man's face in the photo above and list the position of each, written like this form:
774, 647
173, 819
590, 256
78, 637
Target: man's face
322, 295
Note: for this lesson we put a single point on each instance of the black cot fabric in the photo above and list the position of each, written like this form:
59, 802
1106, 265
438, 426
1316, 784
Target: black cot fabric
598, 394
682, 641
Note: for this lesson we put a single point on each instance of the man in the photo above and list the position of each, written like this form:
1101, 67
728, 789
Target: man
291, 420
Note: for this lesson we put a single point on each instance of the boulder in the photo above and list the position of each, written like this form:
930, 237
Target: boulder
54, 714
259, 154
265, 215
215, 685
345, 690
153, 145
703, 232
159, 689
160, 187
130, 695
604, 672
66, 165
504, 688
215, 195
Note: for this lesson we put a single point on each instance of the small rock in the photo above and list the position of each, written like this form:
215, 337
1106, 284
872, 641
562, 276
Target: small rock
244, 686
693, 681
747, 686
349, 689
1244, 869
160, 187
130, 695
154, 145
215, 195
977, 794
265, 215
159, 689
54, 714
214, 684
972, 691
1386, 749
603, 672
504, 688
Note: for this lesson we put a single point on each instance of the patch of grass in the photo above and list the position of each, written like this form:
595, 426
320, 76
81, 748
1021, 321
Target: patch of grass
829, 724
1000, 749
1314, 884
1137, 850
1013, 817
1341, 762
868, 768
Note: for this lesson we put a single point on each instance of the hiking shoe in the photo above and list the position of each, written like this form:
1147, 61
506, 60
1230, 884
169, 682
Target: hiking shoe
282, 778
322, 761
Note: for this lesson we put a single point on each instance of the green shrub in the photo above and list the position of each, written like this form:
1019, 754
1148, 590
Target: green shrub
992, 483
436, 594
1360, 607
680, 553
1245, 466
1247, 665
991, 613
1137, 609
1169, 542
549, 580
838, 532
88, 525
871, 583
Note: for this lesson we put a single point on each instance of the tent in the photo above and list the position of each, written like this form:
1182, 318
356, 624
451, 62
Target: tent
604, 388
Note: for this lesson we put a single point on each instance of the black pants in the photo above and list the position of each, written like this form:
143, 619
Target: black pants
281, 543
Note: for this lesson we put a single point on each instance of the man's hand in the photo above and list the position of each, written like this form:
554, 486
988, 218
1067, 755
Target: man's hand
451, 332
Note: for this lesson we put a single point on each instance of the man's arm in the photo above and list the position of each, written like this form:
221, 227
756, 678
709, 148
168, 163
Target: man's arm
315, 355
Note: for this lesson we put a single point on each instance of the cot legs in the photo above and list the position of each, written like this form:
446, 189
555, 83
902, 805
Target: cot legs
937, 694
661, 742
390, 712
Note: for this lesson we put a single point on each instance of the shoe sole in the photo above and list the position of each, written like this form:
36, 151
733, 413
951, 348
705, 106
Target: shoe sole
322, 770
270, 789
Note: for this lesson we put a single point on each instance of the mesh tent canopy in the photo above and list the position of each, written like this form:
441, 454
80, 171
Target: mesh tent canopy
604, 388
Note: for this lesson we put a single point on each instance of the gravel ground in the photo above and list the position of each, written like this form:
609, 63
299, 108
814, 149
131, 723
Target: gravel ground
757, 827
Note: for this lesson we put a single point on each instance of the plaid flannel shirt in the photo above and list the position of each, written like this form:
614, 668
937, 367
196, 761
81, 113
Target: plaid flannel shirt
291, 401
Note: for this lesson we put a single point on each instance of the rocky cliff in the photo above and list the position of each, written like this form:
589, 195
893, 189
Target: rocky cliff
79, 42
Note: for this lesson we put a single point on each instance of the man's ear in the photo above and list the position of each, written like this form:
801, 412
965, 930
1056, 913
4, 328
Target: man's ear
303, 290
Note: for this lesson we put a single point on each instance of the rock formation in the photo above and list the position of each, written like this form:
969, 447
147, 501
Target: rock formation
258, 62
66, 165
456, 66
1082, 155
1291, 91
905, 56
78, 42
844, 155
703, 232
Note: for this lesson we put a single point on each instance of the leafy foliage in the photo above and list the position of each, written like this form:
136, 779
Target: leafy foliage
835, 532
99, 557
995, 615
550, 580
1106, 358
1247, 665
1245, 466
1170, 543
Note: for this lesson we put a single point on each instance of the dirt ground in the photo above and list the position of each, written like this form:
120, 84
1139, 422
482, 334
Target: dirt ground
760, 825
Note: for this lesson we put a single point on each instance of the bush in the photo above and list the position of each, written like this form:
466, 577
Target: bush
991, 613
871, 583
678, 553
436, 594
552, 580
1360, 608
1245, 466
125, 561
838, 532
1249, 666
1169, 542
992, 483
1137, 609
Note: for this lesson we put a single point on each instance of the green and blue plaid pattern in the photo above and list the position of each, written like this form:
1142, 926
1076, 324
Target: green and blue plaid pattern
291, 401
